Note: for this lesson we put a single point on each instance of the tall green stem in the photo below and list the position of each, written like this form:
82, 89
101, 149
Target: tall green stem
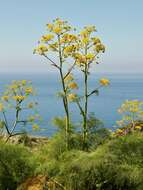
85, 130
15, 123
65, 100
66, 107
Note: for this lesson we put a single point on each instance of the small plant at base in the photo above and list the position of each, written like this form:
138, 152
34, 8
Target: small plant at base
15, 99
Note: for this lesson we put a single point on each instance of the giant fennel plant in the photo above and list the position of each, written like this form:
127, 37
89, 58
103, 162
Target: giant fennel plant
73, 50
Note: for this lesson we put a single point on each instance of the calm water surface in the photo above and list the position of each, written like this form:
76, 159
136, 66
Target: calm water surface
104, 106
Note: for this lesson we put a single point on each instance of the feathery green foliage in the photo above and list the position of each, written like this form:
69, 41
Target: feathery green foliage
15, 165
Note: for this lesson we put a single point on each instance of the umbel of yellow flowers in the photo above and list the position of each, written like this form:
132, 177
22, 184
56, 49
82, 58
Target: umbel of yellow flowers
132, 117
16, 99
73, 49
104, 82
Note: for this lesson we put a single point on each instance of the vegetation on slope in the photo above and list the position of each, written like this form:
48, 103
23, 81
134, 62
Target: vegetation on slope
116, 164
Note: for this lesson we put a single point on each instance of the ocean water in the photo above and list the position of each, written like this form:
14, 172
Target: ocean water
122, 87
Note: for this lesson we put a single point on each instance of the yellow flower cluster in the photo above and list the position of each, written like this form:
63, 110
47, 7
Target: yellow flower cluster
35, 127
104, 82
85, 34
88, 43
14, 86
5, 98
68, 78
17, 88
73, 85
31, 118
58, 26
134, 106
132, 113
29, 90
53, 46
119, 130
72, 97
85, 40
84, 59
57, 30
71, 45
19, 98
1, 107
138, 127
47, 38
68, 50
23, 82
68, 38
50, 26
87, 31
30, 105
16, 92
69, 82
100, 48
80, 59
90, 56
41, 49
96, 40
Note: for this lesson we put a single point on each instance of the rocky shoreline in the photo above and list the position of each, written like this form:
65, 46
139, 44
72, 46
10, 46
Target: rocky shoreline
28, 140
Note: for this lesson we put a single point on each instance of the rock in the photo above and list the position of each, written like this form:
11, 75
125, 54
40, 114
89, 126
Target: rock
27, 140
40, 182
34, 183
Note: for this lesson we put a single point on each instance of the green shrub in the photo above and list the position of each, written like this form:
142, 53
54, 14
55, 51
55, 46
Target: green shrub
98, 134
47, 156
15, 165
116, 165
128, 148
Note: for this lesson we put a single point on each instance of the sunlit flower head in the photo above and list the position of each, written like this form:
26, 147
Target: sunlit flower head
57, 30
85, 40
23, 82
35, 127
5, 98
1, 107
72, 97
96, 40
119, 130
138, 127
68, 78
100, 48
90, 56
29, 90
104, 82
73, 85
47, 38
30, 105
41, 49
19, 98
50, 26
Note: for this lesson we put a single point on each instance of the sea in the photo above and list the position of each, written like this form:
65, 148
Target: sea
47, 85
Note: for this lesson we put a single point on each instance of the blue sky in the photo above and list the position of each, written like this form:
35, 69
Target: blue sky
119, 24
